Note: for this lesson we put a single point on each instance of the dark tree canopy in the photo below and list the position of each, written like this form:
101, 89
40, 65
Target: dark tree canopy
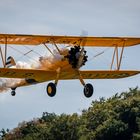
115, 118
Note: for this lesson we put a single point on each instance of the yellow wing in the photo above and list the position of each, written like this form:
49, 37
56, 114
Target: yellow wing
108, 74
75, 40
38, 75
43, 75
99, 74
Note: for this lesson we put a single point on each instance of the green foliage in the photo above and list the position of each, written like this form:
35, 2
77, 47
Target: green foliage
107, 119
3, 133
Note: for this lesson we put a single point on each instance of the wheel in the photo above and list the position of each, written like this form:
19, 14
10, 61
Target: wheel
51, 89
13, 93
88, 90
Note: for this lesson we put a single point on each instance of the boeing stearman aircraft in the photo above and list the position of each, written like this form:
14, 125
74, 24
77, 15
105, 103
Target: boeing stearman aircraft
70, 60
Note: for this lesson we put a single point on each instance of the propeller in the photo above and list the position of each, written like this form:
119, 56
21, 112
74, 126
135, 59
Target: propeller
77, 55
82, 58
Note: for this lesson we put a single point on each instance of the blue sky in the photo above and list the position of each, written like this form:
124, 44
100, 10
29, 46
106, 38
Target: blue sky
63, 17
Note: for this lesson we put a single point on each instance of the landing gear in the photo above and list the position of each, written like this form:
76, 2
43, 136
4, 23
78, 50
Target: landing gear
51, 89
13, 92
88, 90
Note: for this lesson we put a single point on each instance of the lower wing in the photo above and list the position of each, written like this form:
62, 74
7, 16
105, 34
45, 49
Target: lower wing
108, 74
45, 75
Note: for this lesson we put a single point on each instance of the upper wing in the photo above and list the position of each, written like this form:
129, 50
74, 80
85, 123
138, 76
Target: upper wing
75, 40
43, 75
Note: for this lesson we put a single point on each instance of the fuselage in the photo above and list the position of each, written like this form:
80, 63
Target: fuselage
65, 60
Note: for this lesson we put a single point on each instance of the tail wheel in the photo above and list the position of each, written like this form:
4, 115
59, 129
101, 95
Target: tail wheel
51, 89
88, 90
13, 93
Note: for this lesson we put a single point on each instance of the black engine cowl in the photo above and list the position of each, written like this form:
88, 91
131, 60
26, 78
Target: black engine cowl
77, 57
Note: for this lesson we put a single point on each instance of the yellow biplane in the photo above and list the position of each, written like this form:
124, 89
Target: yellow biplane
68, 66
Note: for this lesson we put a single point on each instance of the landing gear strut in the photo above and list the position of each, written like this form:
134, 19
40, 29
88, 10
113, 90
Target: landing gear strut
88, 88
51, 88
13, 92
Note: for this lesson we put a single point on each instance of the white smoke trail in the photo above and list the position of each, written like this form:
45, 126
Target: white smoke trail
3, 87
6, 83
43, 63
47, 61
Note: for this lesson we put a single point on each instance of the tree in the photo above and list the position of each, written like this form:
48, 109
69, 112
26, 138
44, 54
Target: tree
117, 117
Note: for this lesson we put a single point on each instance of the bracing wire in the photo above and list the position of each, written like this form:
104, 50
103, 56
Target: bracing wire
23, 54
32, 50
98, 54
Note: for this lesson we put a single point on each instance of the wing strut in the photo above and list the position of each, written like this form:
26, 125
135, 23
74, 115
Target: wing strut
48, 49
4, 53
57, 48
118, 57
2, 56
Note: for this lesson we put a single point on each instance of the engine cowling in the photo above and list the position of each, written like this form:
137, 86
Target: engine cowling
77, 57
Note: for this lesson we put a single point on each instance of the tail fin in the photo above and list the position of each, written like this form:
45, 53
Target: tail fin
10, 62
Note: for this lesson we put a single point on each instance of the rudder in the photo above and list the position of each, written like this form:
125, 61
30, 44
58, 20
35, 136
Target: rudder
10, 62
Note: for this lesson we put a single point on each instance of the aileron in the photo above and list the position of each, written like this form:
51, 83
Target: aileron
113, 74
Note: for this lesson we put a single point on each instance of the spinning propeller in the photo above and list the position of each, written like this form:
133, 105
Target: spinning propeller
77, 55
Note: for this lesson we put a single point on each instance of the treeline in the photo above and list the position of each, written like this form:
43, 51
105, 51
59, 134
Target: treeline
115, 118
